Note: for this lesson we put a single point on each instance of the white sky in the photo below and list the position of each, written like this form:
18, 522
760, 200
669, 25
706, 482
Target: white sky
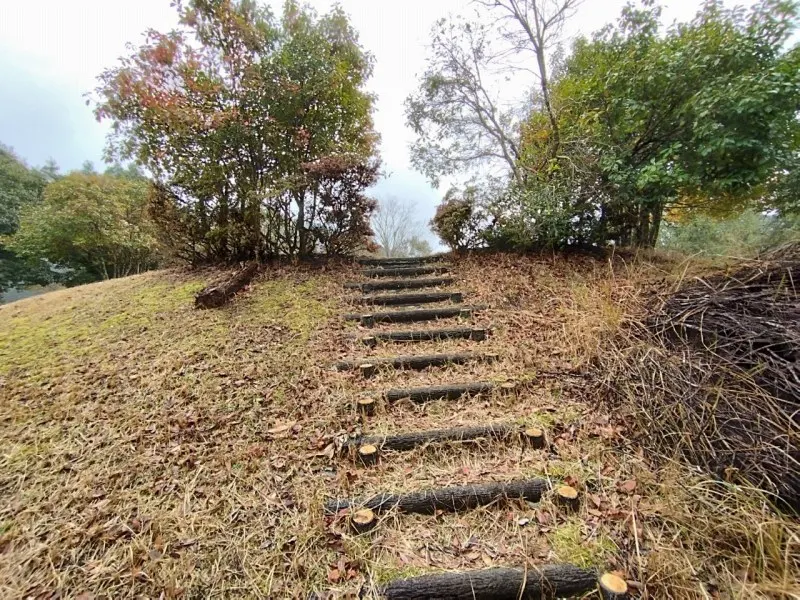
52, 50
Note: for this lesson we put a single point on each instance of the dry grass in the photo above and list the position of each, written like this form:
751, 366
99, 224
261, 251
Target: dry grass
150, 449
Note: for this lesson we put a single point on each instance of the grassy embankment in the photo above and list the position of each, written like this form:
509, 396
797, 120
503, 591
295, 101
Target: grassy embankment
149, 448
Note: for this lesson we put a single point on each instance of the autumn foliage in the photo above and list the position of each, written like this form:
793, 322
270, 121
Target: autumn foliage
256, 129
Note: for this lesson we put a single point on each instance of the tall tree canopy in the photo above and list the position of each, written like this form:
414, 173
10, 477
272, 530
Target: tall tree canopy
257, 130
96, 226
700, 116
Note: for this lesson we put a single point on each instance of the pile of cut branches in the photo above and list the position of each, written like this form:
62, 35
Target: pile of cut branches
713, 374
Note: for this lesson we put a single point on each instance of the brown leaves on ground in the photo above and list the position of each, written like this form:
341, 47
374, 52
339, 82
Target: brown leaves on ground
153, 450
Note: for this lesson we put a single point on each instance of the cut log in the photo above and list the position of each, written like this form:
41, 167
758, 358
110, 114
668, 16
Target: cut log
408, 260
613, 587
534, 437
567, 496
423, 361
467, 333
408, 441
400, 284
366, 406
548, 581
368, 455
410, 299
439, 392
404, 271
363, 520
412, 316
219, 294
447, 499
368, 370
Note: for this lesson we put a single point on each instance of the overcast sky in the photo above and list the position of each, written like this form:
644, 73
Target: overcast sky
52, 50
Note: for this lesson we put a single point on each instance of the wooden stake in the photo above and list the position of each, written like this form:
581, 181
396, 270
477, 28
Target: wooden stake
613, 587
534, 437
567, 497
363, 520
366, 406
368, 320
368, 455
367, 370
370, 341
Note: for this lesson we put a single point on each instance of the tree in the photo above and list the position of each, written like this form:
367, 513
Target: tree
232, 122
20, 186
459, 221
94, 225
535, 25
698, 117
394, 227
418, 246
458, 122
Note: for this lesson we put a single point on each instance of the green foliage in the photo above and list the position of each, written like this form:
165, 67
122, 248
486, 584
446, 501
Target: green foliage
19, 186
744, 235
699, 116
94, 225
258, 131
458, 220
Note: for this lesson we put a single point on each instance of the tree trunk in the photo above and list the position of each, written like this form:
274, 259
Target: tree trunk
548, 581
219, 294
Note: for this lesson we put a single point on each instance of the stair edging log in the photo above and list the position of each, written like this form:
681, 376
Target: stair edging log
399, 284
439, 392
450, 499
422, 335
498, 583
403, 442
409, 299
421, 361
405, 271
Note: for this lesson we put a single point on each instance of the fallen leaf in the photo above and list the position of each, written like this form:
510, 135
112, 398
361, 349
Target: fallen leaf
333, 575
627, 486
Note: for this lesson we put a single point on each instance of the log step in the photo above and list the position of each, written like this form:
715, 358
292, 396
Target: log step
535, 583
439, 392
404, 271
400, 284
408, 441
412, 316
450, 499
410, 299
422, 361
408, 260
465, 333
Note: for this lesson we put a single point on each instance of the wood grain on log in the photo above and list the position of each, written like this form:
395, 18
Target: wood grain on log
422, 361
404, 271
439, 392
476, 335
613, 587
548, 581
447, 499
410, 299
219, 294
400, 284
408, 441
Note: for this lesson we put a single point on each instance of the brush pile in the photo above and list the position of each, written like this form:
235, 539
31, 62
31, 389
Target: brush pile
713, 374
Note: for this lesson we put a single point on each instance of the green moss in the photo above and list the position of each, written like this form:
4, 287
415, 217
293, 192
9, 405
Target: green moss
383, 574
569, 544
300, 307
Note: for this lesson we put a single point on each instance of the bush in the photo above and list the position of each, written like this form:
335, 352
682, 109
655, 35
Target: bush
458, 221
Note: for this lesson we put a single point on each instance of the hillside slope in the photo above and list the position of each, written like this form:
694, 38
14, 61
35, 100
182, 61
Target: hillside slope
152, 449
